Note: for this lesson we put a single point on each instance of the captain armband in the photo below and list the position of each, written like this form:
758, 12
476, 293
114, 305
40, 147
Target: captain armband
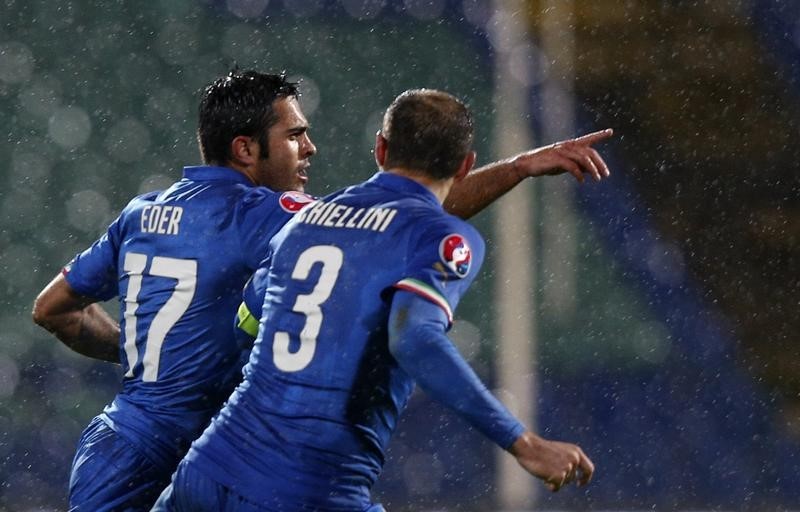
247, 322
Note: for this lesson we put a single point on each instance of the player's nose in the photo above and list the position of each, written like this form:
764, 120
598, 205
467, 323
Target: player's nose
308, 147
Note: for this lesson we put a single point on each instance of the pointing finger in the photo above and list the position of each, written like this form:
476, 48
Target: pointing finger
594, 137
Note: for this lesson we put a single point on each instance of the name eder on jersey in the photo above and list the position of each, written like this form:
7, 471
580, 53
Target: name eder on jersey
164, 220
334, 215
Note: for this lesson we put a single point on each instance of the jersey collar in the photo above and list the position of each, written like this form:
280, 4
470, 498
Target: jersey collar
404, 185
211, 173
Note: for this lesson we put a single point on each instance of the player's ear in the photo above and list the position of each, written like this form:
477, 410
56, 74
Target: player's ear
466, 166
243, 150
380, 149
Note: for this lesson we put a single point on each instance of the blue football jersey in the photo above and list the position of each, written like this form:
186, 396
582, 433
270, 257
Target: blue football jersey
177, 260
309, 426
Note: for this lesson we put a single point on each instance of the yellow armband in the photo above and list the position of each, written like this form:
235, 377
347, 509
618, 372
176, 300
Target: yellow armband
247, 322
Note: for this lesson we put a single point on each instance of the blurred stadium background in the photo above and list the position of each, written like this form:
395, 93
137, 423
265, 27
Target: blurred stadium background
651, 318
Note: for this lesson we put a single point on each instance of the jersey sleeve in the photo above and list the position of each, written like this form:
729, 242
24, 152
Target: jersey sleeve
249, 313
443, 262
418, 342
93, 273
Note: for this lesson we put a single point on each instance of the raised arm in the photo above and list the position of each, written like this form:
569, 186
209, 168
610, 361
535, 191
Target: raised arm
484, 185
418, 342
77, 321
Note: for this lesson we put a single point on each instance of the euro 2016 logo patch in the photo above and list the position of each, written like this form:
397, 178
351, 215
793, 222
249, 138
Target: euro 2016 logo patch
455, 253
293, 201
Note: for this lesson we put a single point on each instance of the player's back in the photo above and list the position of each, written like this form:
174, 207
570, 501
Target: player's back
179, 259
180, 267
322, 393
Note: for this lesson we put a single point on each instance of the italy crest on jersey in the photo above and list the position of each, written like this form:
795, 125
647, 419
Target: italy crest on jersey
455, 253
293, 201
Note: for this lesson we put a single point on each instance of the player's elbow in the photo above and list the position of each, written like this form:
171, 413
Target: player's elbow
56, 303
42, 312
414, 341
50, 306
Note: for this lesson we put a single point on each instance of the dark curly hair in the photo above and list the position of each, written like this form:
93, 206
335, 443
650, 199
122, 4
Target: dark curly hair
240, 103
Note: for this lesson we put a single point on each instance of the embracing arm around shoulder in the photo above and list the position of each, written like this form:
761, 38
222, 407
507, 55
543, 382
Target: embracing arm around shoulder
77, 321
418, 342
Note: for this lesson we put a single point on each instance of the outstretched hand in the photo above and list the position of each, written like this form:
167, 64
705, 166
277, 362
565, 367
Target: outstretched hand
554, 462
575, 156
486, 184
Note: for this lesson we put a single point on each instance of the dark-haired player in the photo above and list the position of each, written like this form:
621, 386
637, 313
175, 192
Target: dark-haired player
177, 260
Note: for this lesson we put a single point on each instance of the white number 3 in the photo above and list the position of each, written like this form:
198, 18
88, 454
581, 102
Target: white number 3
331, 259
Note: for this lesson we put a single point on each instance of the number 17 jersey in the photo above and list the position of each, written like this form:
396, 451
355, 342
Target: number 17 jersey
177, 260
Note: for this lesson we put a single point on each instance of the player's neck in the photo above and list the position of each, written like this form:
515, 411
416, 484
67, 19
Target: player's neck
247, 171
439, 188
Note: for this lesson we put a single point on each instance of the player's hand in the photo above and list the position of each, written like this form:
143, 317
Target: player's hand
575, 156
554, 462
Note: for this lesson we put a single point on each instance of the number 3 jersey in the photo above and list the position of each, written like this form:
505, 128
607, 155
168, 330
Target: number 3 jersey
177, 260
308, 427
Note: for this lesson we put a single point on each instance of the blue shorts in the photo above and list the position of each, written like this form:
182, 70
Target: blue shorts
109, 474
192, 491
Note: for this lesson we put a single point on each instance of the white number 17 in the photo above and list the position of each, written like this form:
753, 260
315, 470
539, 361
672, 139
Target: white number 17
185, 271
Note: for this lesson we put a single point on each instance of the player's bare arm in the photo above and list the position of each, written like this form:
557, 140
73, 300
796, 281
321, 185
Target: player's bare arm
77, 321
486, 184
554, 462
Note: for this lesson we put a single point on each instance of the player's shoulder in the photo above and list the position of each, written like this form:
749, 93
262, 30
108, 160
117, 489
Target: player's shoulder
263, 212
455, 246
435, 222
461, 229
264, 198
446, 233
141, 200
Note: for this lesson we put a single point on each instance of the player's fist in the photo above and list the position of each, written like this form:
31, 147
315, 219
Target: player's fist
554, 462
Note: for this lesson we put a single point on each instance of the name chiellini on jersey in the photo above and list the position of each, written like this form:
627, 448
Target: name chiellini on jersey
334, 215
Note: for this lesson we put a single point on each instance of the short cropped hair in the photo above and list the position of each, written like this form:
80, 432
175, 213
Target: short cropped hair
240, 103
427, 130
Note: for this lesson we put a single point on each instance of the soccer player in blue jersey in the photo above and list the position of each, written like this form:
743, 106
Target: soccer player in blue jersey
360, 293
177, 260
